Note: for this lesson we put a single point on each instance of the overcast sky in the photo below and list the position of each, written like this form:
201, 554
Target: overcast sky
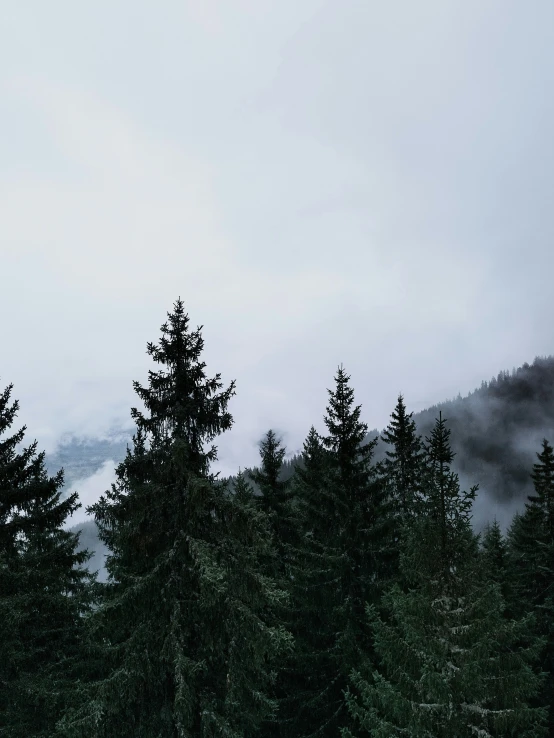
321, 182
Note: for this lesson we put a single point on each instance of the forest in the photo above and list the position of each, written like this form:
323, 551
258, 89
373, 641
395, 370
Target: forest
341, 595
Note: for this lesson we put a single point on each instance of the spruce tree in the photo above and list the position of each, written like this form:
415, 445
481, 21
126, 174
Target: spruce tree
187, 649
44, 594
531, 560
402, 466
402, 472
310, 565
448, 666
345, 525
275, 498
442, 500
250, 700
275, 501
494, 552
364, 515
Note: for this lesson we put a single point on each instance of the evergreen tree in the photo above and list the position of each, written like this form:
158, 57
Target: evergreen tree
250, 680
43, 593
402, 467
310, 564
448, 663
186, 650
275, 501
494, 552
443, 502
402, 472
531, 559
345, 523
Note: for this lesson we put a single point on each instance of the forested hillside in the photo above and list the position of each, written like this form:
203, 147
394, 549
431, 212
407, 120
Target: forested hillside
345, 592
496, 431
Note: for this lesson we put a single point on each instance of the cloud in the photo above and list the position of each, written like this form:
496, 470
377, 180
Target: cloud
90, 489
134, 200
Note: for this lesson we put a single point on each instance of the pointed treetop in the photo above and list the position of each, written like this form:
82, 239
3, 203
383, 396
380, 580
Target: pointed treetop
439, 449
267, 478
404, 463
402, 433
180, 399
543, 473
346, 432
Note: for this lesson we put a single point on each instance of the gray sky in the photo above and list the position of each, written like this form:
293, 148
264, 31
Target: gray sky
321, 182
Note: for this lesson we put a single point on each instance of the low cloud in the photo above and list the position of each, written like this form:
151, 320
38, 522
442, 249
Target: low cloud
90, 490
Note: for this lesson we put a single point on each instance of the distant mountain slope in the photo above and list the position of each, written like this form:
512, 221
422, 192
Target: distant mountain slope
496, 433
83, 457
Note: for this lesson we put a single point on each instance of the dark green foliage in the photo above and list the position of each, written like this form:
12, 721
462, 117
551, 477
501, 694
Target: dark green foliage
42, 592
402, 471
445, 504
255, 649
494, 553
275, 498
531, 558
448, 663
403, 464
276, 502
341, 512
186, 647
311, 565
364, 516
450, 668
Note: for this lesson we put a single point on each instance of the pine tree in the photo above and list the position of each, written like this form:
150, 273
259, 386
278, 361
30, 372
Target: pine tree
186, 648
531, 559
345, 523
43, 593
248, 701
364, 514
402, 472
310, 565
443, 502
275, 500
494, 552
448, 663
402, 466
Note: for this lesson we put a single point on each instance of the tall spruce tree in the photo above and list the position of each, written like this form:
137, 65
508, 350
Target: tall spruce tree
442, 501
345, 523
251, 699
448, 663
187, 649
403, 464
44, 593
531, 565
494, 552
275, 497
402, 471
364, 515
275, 501
310, 565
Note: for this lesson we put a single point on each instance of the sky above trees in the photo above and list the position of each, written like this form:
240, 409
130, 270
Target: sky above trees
322, 183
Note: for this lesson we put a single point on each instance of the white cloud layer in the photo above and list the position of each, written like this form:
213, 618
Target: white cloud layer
90, 489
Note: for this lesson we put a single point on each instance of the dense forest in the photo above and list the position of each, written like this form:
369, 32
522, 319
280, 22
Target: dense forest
342, 593
496, 431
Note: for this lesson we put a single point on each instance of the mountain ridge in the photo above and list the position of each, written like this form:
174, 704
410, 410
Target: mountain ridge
496, 432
